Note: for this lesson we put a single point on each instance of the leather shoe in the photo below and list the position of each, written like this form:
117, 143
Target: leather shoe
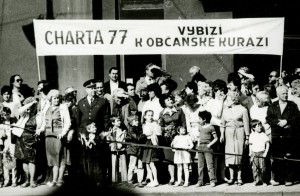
288, 183
25, 184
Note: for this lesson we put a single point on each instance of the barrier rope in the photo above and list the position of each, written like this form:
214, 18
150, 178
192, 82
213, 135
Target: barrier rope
172, 148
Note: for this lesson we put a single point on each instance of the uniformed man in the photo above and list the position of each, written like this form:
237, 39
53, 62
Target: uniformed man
93, 109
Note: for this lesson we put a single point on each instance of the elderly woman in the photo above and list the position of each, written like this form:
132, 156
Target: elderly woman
259, 110
25, 149
169, 119
235, 133
56, 125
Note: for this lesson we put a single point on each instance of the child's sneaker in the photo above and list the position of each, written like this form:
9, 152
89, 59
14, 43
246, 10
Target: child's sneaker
177, 184
212, 184
265, 184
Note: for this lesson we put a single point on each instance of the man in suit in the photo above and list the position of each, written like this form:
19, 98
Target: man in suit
282, 116
113, 82
95, 109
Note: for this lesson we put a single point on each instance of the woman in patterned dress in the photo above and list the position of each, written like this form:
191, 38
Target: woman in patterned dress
235, 132
56, 126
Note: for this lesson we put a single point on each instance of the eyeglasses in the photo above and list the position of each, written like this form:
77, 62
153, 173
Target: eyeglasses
19, 80
271, 76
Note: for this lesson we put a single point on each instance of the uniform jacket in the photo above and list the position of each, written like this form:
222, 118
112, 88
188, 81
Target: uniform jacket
98, 112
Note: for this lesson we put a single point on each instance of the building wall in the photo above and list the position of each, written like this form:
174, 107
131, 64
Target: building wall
17, 55
212, 66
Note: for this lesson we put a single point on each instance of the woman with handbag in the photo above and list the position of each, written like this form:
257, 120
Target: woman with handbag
56, 125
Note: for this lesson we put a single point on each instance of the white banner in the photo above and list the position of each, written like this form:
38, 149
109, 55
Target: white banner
114, 37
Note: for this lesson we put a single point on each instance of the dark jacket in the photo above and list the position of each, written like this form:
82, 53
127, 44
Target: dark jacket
290, 113
134, 135
106, 87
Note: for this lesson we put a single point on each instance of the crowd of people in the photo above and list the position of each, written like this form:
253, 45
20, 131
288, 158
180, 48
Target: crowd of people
152, 133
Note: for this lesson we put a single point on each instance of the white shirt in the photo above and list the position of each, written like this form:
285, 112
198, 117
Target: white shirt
258, 141
153, 105
215, 106
282, 105
260, 114
113, 86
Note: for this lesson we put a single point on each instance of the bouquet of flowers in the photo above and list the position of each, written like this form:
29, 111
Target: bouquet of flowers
9, 162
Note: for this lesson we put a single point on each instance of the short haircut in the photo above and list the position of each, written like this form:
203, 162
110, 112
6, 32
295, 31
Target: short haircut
5, 89
165, 97
277, 72
12, 79
264, 98
236, 81
154, 87
255, 122
113, 68
170, 84
220, 85
205, 115
42, 82
280, 88
131, 118
46, 88
129, 84
113, 118
195, 69
98, 81
193, 86
191, 99
6, 110
89, 125
53, 93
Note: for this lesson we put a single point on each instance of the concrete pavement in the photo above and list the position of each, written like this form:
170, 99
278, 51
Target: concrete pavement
162, 190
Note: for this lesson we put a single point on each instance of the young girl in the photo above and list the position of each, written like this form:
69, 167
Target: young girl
182, 158
258, 147
5, 126
118, 151
208, 137
151, 155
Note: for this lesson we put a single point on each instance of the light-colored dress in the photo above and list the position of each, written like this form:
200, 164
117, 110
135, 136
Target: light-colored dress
185, 142
235, 119
56, 121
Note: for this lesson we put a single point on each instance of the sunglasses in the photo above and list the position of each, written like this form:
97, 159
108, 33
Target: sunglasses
19, 80
271, 76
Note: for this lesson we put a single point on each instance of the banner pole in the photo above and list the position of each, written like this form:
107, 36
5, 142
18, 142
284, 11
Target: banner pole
38, 67
280, 68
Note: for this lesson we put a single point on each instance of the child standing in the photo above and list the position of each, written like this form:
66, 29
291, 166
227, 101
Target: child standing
181, 157
208, 137
258, 147
134, 135
92, 166
118, 152
9, 147
151, 155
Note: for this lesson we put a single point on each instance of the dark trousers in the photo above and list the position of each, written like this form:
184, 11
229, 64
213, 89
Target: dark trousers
283, 170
